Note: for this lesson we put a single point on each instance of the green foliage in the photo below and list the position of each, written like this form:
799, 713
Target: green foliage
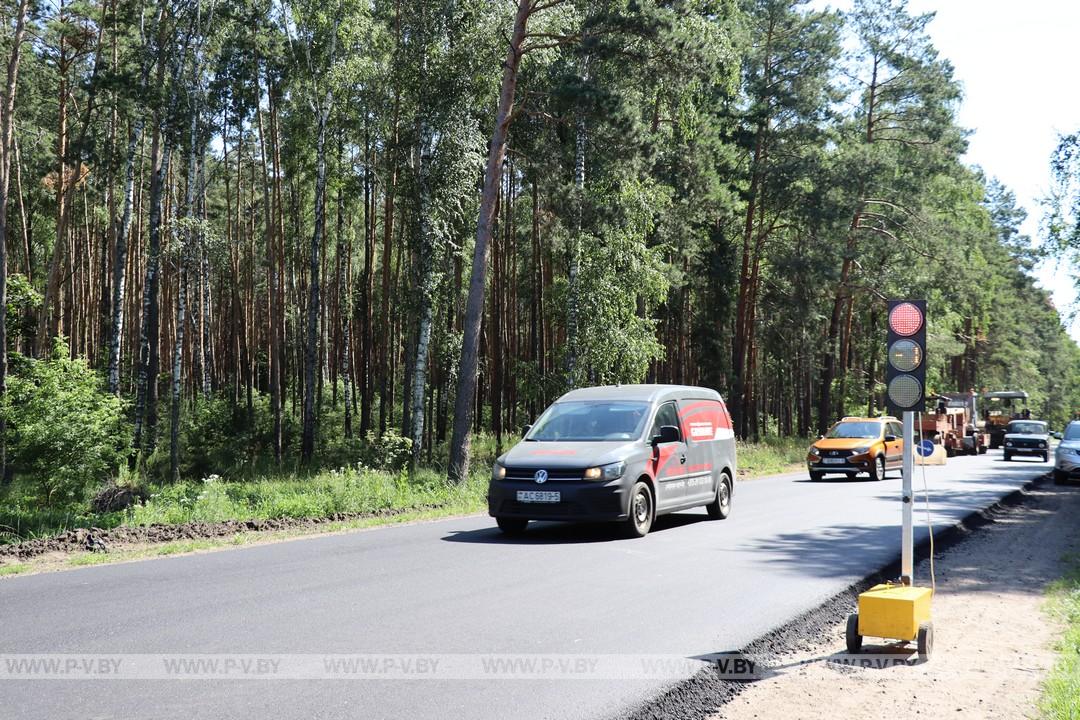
621, 281
771, 455
390, 451
320, 495
22, 304
1061, 690
215, 438
813, 155
64, 431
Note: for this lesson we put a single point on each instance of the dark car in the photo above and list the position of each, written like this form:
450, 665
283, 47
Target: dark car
1027, 437
624, 453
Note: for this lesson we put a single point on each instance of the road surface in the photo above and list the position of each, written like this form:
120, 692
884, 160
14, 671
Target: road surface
454, 590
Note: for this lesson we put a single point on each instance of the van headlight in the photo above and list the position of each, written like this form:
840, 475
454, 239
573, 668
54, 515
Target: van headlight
614, 471
498, 472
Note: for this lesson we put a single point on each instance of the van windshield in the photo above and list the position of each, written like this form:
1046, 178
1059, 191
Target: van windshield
581, 421
855, 430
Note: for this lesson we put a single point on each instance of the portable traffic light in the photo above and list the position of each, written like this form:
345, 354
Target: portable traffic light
901, 611
905, 372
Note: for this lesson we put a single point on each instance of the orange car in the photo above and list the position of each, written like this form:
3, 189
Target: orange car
858, 444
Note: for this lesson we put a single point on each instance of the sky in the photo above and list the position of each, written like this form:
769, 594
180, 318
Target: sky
1017, 64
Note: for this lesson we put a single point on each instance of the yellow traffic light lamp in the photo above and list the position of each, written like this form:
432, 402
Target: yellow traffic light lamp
901, 611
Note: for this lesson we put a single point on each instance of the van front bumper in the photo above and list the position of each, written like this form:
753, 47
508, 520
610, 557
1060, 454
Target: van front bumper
579, 500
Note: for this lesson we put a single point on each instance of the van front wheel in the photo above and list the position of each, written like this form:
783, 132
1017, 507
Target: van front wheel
720, 507
512, 525
640, 517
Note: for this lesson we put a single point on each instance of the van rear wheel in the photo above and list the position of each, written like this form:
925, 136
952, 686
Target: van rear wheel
640, 517
720, 507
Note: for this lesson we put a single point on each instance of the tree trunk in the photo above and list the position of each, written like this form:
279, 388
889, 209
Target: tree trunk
177, 366
345, 313
276, 253
386, 404
146, 395
474, 309
581, 136
7, 133
120, 256
273, 290
426, 290
369, 274
188, 240
311, 349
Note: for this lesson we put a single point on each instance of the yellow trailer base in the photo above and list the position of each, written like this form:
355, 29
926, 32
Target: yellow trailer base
893, 612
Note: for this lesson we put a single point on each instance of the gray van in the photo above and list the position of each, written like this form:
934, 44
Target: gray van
623, 453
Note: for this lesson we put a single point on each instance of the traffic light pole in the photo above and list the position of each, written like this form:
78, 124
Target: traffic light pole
907, 541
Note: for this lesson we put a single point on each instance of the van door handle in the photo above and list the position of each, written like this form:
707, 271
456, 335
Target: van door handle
682, 459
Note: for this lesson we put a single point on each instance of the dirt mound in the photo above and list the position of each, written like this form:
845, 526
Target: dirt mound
100, 540
114, 497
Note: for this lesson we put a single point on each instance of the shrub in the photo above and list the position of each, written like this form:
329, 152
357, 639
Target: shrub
213, 439
391, 451
64, 431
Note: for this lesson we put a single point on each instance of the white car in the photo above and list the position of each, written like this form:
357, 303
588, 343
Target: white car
1067, 456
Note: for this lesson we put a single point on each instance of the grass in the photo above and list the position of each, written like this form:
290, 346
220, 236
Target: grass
345, 491
13, 569
348, 491
771, 456
1061, 689
388, 497
84, 559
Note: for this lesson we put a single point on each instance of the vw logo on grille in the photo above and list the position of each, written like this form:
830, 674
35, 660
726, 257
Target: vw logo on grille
540, 477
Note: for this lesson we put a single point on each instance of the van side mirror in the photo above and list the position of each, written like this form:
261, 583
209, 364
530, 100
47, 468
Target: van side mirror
668, 434
525, 430
890, 438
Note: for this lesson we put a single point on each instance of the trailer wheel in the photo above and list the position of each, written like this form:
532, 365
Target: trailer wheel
854, 639
925, 640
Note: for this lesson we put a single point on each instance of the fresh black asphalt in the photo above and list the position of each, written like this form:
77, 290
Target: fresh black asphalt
458, 587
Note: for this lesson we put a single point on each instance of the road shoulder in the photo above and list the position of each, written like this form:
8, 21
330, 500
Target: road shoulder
993, 640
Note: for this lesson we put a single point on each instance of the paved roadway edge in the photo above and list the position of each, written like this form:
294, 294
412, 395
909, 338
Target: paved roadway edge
704, 694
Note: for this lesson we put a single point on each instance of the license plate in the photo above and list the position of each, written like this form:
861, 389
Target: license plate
538, 496
833, 461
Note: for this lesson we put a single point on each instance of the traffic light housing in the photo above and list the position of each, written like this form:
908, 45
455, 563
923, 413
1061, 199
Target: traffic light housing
905, 370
